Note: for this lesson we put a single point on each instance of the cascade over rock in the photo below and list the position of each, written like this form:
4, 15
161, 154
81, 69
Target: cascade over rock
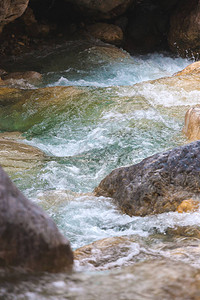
157, 184
28, 237
192, 123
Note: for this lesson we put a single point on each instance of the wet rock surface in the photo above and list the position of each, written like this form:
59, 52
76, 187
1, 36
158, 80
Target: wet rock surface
28, 237
170, 280
157, 184
16, 156
176, 244
192, 123
34, 103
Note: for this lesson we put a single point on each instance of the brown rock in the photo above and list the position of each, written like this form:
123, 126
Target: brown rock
28, 237
192, 123
30, 76
11, 9
192, 69
186, 231
184, 34
157, 184
16, 156
106, 253
108, 33
189, 205
35, 104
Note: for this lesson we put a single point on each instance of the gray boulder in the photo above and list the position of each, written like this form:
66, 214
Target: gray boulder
157, 184
28, 237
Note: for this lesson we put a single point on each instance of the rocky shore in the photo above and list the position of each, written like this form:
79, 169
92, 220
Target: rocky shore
136, 25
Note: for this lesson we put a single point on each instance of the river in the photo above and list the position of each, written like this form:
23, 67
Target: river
118, 120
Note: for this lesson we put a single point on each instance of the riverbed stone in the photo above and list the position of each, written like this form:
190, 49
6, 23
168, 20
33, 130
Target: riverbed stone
192, 123
157, 184
108, 33
153, 280
29, 76
16, 156
28, 237
112, 252
184, 33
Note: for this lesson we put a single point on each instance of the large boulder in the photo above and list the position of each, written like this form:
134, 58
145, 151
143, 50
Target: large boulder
108, 33
157, 184
184, 33
102, 8
28, 237
10, 10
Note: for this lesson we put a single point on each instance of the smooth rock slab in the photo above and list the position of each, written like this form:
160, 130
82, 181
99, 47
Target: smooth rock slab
157, 184
28, 237
192, 123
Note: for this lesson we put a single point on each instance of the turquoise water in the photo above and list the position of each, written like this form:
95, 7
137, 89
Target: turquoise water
112, 123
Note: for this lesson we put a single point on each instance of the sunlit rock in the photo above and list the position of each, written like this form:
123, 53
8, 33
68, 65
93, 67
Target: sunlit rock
189, 205
157, 184
15, 156
115, 252
108, 253
108, 33
28, 237
188, 80
192, 123
193, 68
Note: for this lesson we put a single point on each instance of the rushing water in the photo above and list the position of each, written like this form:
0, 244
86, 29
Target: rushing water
111, 124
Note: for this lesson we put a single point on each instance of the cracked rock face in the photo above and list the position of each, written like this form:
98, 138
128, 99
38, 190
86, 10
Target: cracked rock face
10, 10
157, 184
